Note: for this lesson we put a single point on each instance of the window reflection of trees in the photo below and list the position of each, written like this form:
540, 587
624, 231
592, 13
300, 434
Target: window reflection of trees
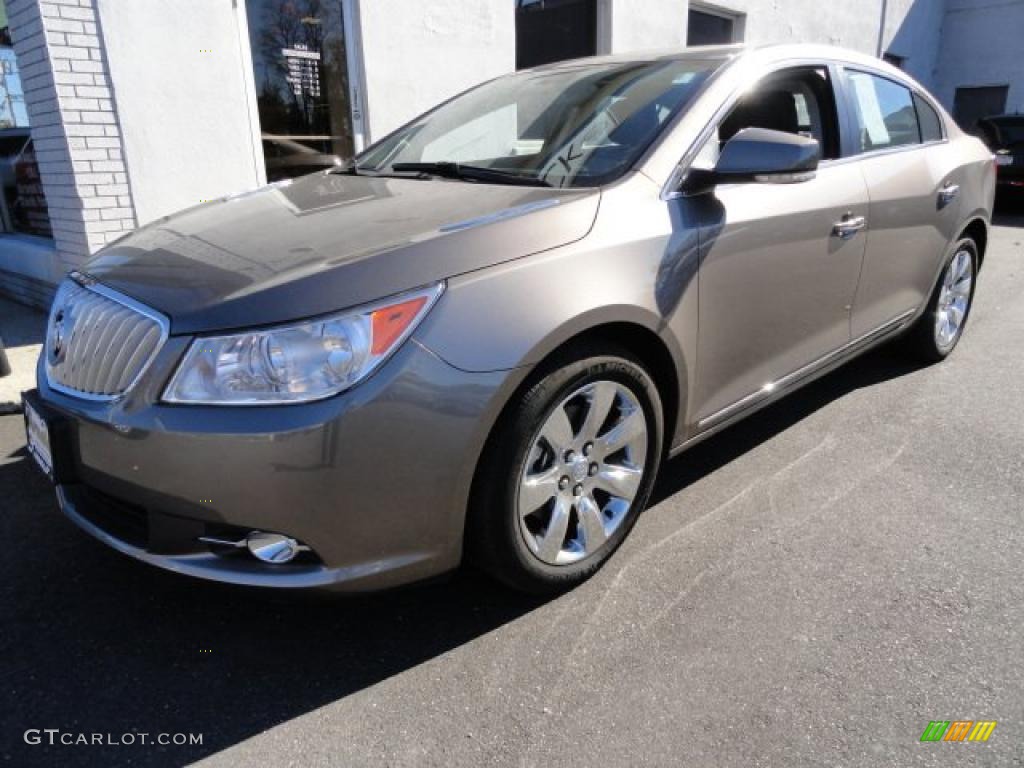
315, 25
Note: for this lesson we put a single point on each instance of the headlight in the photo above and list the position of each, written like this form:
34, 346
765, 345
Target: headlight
298, 363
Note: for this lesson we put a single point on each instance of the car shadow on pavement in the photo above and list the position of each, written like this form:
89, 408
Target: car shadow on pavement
97, 643
881, 364
1009, 209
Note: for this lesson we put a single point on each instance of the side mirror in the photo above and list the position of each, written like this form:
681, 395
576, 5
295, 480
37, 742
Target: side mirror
759, 155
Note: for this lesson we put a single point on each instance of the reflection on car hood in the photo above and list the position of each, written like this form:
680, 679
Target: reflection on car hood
329, 241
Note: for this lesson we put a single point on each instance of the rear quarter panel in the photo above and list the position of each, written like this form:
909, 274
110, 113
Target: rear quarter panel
978, 172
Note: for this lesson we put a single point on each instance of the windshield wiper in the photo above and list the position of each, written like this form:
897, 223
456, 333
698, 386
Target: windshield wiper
449, 170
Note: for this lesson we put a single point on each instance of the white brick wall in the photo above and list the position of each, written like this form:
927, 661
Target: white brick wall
74, 124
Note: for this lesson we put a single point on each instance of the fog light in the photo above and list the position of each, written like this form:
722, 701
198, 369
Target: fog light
266, 547
271, 547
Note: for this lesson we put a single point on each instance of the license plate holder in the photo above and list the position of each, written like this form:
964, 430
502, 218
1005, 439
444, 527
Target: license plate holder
48, 437
37, 434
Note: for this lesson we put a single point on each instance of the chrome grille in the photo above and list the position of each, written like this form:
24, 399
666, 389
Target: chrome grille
98, 342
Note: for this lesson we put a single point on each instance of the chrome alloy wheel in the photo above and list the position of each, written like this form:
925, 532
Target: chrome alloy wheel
954, 299
582, 472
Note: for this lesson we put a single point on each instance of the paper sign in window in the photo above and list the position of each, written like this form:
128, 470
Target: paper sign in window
870, 112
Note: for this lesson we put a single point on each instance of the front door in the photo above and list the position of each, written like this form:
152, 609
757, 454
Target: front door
776, 280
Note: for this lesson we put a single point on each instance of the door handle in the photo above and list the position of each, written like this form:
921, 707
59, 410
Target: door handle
948, 193
848, 226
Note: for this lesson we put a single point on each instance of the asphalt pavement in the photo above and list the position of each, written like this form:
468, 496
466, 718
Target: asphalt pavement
21, 329
811, 588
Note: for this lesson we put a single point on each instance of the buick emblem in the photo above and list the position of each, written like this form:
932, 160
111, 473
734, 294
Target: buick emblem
57, 343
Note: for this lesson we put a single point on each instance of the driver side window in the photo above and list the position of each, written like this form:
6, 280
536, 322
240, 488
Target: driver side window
798, 100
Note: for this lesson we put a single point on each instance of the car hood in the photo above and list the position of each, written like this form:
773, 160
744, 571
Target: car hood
329, 241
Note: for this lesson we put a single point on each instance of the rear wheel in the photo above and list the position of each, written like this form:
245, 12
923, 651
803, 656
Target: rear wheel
937, 331
567, 472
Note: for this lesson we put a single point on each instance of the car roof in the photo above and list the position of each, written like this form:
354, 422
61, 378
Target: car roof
696, 53
760, 55
754, 59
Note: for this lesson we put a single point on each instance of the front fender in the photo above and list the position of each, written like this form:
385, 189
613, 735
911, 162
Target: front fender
480, 335
514, 314
643, 276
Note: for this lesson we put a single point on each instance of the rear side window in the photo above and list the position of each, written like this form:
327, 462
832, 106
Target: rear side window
931, 128
884, 111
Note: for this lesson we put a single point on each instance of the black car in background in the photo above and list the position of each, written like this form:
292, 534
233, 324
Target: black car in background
1004, 135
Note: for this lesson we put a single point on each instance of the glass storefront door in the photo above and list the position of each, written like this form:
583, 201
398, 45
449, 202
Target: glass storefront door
302, 84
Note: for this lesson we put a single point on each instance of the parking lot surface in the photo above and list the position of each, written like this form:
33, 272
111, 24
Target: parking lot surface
811, 587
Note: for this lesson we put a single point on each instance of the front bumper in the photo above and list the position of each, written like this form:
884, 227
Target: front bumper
375, 481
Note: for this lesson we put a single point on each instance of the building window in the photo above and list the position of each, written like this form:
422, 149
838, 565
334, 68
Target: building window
302, 86
705, 26
554, 30
22, 201
971, 104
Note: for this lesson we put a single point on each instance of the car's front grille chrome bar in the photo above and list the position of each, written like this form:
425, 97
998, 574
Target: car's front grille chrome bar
98, 341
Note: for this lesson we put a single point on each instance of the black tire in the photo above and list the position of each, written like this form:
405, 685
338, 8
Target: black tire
920, 341
494, 541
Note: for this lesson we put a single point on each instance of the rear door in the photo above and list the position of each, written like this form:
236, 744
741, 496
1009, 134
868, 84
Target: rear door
913, 180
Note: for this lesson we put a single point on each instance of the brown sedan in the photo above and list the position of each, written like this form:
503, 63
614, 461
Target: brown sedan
482, 337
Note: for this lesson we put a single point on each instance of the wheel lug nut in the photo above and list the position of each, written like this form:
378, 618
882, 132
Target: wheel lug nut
569, 456
563, 483
593, 470
577, 491
587, 449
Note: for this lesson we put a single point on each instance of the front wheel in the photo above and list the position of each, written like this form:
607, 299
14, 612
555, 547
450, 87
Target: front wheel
938, 330
567, 472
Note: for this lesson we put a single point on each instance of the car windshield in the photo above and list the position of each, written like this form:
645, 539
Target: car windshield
567, 126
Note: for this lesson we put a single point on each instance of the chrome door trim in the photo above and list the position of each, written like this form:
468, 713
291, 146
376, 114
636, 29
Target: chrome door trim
791, 378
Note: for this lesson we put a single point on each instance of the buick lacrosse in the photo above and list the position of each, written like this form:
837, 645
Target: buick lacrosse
480, 338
